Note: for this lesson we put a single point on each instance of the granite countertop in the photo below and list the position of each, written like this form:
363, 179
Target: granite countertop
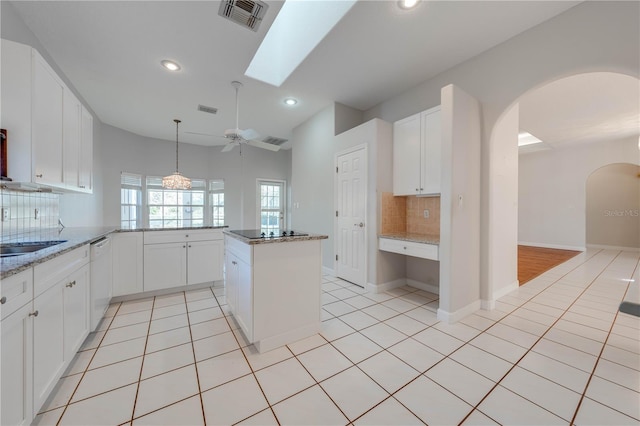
416, 238
268, 240
171, 229
76, 237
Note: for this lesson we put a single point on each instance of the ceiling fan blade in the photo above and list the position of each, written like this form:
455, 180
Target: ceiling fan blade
248, 134
263, 145
228, 147
199, 134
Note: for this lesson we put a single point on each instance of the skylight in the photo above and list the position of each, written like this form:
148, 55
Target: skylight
299, 27
525, 138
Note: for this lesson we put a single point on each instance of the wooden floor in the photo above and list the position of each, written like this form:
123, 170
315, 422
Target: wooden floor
533, 261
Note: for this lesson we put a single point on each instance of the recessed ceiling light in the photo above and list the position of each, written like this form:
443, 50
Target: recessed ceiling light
290, 101
170, 65
408, 4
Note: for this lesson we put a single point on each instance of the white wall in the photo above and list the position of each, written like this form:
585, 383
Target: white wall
613, 206
125, 151
592, 36
312, 172
552, 190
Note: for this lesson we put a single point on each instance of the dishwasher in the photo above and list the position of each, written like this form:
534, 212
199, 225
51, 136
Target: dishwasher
100, 279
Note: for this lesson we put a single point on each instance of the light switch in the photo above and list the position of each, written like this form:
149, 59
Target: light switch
426, 213
5, 214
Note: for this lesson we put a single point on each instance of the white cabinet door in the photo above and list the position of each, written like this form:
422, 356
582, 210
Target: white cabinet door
165, 266
244, 311
76, 311
127, 263
204, 261
85, 182
48, 346
406, 156
47, 122
231, 281
431, 156
71, 142
16, 368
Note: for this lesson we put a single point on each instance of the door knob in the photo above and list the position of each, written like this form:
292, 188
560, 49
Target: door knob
3, 300
34, 314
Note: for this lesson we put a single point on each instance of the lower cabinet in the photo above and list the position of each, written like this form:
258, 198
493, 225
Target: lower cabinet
16, 367
239, 292
45, 319
127, 263
48, 342
180, 258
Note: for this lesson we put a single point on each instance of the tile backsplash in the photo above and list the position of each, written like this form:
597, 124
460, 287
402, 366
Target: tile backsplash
406, 214
22, 224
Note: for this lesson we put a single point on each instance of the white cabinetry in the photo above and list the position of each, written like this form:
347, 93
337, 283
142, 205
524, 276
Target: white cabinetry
45, 319
178, 258
127, 263
409, 248
50, 132
417, 154
239, 284
17, 349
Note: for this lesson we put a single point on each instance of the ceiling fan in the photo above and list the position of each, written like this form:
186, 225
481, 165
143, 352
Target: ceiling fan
237, 136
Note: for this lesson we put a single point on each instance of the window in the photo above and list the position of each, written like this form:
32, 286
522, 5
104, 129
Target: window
170, 208
216, 201
271, 205
130, 201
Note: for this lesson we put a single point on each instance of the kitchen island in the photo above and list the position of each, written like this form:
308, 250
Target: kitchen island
273, 285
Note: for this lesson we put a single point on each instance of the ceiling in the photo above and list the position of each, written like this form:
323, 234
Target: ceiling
111, 51
583, 108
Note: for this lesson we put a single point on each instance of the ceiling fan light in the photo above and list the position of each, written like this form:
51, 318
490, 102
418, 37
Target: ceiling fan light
170, 65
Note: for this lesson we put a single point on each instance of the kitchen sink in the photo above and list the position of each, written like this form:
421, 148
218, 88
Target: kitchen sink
17, 249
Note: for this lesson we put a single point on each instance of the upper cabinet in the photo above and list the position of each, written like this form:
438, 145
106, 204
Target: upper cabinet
417, 154
50, 133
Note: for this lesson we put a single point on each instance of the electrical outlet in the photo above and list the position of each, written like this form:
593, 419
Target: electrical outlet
5, 214
36, 214
426, 214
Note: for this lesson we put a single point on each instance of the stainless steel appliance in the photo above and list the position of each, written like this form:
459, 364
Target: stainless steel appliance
101, 279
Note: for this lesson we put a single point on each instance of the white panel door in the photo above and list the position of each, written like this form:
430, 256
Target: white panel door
76, 311
351, 208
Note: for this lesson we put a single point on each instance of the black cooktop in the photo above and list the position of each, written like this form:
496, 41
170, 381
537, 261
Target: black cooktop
256, 234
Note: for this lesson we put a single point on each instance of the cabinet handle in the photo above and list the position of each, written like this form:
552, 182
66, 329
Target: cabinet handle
417, 190
421, 189
184, 246
34, 314
189, 245
405, 247
233, 262
187, 236
81, 186
71, 284
39, 176
3, 300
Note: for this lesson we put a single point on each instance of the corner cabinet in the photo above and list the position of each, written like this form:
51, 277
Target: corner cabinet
179, 258
417, 156
50, 131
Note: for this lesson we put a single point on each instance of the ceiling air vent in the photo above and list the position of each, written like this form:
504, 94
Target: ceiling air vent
210, 110
248, 13
274, 141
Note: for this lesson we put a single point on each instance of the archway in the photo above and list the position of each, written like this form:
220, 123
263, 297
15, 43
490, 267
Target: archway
560, 216
613, 207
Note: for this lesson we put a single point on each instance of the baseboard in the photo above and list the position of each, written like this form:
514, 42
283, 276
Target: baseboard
552, 246
273, 342
379, 288
488, 305
453, 317
506, 290
605, 247
165, 291
328, 271
423, 286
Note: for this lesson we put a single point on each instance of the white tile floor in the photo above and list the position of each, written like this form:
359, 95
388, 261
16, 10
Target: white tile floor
556, 351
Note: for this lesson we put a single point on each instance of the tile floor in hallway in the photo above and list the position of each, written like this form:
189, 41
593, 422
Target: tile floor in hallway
555, 351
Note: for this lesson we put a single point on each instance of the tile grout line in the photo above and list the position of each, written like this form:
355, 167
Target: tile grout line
538, 340
604, 345
87, 367
193, 350
135, 401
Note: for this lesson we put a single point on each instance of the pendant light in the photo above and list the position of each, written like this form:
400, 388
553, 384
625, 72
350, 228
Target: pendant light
176, 180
